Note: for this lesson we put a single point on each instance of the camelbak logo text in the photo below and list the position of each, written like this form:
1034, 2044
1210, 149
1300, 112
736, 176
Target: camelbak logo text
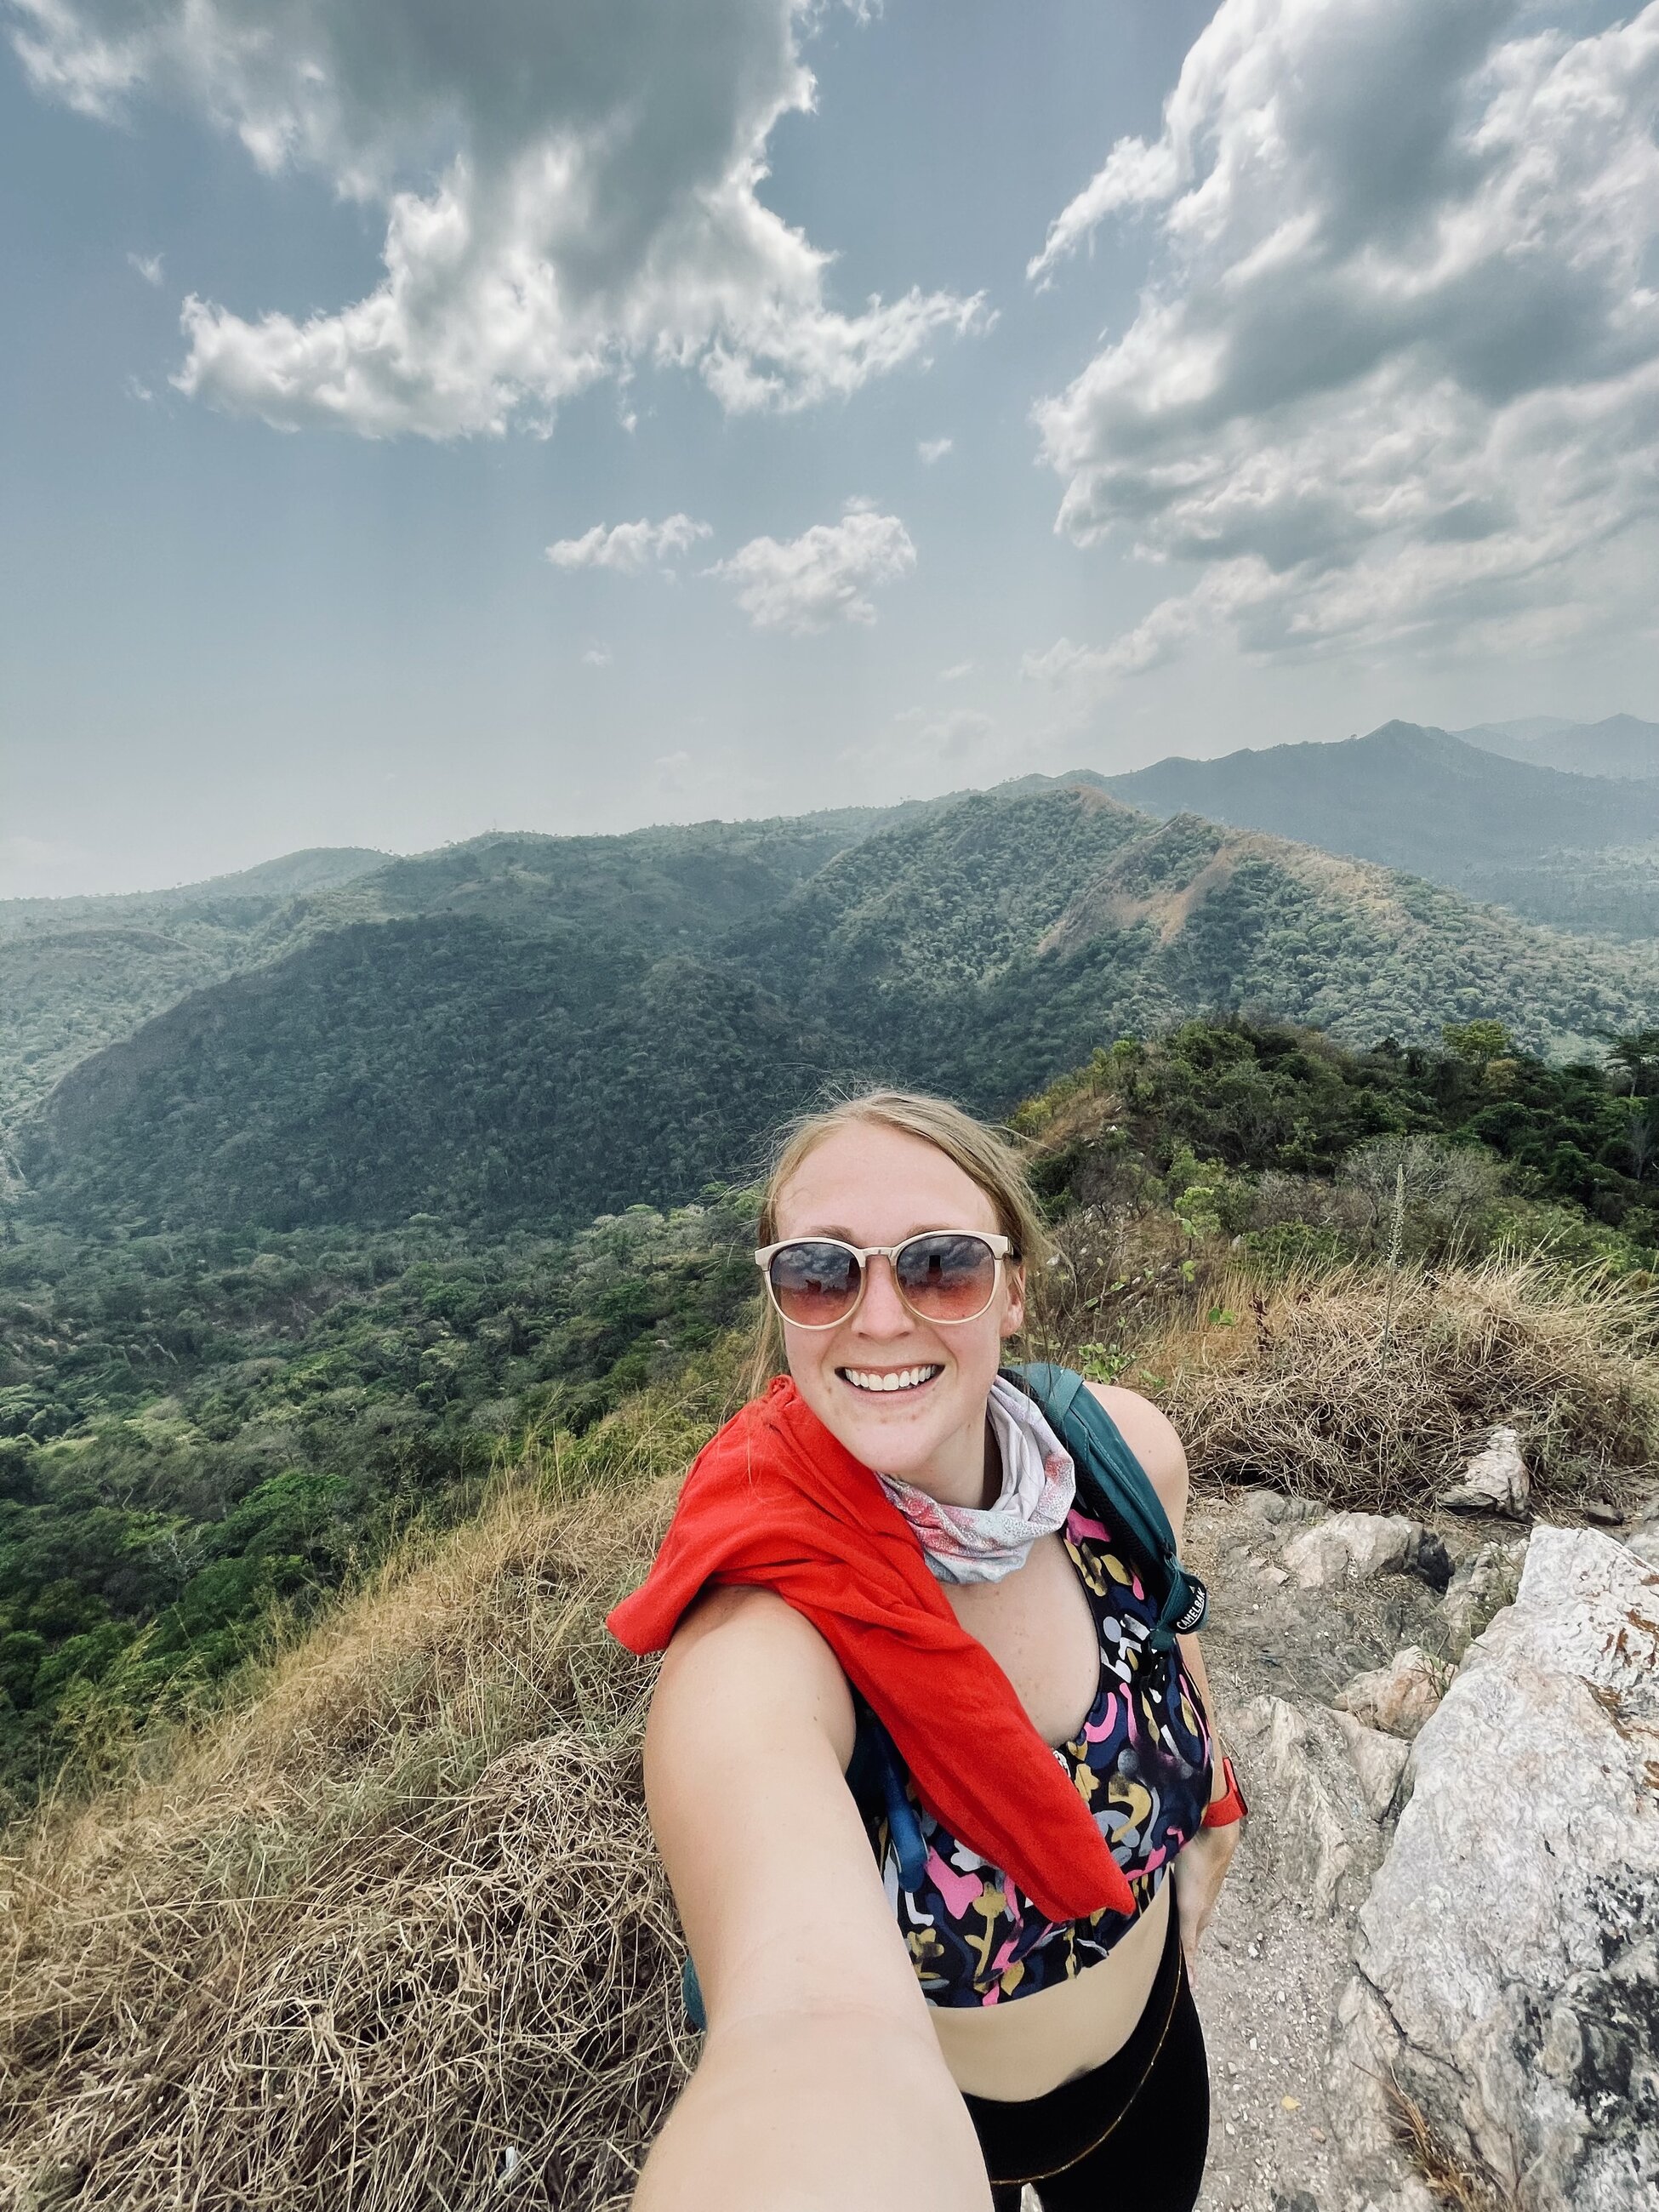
1193, 1616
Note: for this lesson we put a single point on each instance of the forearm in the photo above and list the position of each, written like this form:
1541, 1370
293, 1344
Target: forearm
814, 2112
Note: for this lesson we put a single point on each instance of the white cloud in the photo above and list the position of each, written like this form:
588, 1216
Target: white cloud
630, 547
1396, 377
597, 656
148, 266
574, 193
135, 388
951, 735
929, 450
922, 743
824, 576
956, 671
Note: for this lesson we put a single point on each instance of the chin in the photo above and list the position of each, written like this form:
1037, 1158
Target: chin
891, 1436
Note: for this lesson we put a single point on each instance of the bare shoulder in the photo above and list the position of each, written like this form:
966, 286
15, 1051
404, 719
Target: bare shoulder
1151, 1437
742, 1657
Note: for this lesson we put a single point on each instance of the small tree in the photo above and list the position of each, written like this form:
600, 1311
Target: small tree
1478, 1042
1634, 1058
1642, 1133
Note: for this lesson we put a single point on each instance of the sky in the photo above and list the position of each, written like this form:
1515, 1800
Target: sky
565, 414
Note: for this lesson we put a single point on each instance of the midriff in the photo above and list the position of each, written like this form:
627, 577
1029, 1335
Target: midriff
1028, 2046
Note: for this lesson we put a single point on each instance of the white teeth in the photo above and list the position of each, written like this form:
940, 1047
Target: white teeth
904, 1378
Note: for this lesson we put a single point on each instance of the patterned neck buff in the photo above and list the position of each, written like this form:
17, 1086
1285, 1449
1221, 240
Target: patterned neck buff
975, 1544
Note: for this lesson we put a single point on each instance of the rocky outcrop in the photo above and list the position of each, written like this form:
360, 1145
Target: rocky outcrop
1324, 1833
1379, 1762
1508, 1976
1482, 1586
1353, 1547
1398, 1697
1494, 1481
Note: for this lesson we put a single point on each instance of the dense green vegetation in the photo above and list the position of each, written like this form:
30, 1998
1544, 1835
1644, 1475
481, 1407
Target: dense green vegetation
1612, 893
195, 1429
522, 1032
1568, 1150
79, 973
438, 1065
198, 1426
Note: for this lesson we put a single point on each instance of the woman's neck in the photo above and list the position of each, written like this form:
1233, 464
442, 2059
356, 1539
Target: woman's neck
965, 1470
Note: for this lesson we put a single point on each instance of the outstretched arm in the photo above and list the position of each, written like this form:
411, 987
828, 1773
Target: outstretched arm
821, 2085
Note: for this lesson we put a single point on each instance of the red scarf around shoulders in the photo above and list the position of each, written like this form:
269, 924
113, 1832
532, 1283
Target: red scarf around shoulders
773, 1500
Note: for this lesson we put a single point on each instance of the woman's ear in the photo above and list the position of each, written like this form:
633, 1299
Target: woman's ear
1014, 1319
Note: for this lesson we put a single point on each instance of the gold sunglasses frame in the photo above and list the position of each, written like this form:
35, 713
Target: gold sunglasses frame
1001, 1249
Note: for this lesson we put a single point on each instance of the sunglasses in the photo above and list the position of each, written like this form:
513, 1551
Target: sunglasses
942, 1275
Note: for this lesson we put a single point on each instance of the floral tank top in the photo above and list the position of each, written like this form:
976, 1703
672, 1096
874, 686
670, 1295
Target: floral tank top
1142, 1763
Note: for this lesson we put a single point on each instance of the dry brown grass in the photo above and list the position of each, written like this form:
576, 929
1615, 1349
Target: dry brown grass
394, 1935
1448, 2181
1372, 1391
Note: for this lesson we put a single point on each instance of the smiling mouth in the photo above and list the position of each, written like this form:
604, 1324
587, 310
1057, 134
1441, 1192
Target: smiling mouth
888, 1380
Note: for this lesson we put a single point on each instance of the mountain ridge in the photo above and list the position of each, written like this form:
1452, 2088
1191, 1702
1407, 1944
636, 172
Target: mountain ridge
457, 1062
1620, 745
1559, 847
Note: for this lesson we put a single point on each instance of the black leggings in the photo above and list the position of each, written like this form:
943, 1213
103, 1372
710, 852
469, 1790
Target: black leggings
1135, 2131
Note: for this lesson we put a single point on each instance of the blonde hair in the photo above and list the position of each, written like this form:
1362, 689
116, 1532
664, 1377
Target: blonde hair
986, 1157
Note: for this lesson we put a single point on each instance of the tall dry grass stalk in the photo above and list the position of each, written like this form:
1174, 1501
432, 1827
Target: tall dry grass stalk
1371, 1390
393, 1936
1450, 2183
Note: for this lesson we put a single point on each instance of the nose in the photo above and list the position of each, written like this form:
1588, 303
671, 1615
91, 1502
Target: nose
882, 1313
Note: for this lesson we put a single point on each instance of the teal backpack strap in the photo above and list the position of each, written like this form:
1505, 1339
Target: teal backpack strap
1114, 1483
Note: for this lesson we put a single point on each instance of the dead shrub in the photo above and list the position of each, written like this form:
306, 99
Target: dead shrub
1371, 1388
1439, 1191
1117, 1279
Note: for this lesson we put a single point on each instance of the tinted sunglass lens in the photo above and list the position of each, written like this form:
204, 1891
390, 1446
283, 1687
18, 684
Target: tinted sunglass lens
814, 1284
947, 1277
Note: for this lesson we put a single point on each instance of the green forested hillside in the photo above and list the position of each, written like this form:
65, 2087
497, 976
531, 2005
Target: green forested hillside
81, 973
76, 974
198, 1426
528, 1030
440, 1065
194, 1430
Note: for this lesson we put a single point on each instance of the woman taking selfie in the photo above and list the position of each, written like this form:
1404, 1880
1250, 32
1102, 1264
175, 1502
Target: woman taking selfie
934, 1782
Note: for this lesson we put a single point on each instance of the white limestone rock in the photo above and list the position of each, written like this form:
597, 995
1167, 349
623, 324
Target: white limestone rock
1351, 1547
1316, 1818
1509, 1979
1398, 1697
1495, 1480
1379, 1762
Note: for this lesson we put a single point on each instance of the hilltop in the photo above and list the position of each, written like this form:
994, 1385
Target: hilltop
536, 1030
1622, 745
1407, 796
78, 974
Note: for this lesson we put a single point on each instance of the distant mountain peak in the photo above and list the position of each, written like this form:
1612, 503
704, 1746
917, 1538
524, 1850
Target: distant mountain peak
1621, 747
